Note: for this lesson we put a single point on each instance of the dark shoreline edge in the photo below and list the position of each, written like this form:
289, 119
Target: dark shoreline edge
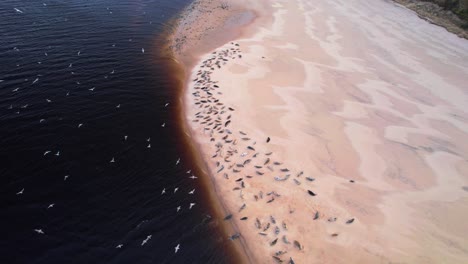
181, 71
437, 17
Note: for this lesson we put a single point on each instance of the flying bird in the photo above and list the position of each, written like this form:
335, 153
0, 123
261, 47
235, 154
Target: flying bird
39, 231
146, 240
191, 205
20, 192
18, 11
177, 248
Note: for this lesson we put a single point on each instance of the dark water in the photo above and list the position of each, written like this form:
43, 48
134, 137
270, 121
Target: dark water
72, 62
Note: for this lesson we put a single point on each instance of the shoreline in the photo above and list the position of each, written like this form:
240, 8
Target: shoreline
362, 165
187, 59
436, 15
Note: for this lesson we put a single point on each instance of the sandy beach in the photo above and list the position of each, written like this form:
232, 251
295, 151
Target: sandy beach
333, 132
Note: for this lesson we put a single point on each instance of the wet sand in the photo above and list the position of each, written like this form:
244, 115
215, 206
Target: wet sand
335, 132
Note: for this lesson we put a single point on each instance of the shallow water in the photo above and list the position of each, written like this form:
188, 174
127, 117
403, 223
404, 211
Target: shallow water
66, 63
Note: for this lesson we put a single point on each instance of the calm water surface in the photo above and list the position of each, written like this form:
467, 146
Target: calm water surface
76, 82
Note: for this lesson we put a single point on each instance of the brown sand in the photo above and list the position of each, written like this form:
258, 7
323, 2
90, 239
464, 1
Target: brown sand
345, 90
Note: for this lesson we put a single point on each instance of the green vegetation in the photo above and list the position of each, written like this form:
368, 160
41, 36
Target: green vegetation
458, 7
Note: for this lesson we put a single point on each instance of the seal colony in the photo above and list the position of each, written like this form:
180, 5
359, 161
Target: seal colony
243, 164
302, 151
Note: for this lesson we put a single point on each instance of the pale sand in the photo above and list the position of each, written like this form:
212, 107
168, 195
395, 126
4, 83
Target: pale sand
345, 90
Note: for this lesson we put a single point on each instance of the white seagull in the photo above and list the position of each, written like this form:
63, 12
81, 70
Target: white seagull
79, 52
149, 146
65, 177
71, 64
146, 240
192, 191
178, 208
191, 205
177, 162
48, 100
163, 125
20, 192
50, 206
80, 125
112, 160
163, 191
42, 120
188, 172
119, 246
15, 90
193, 177
125, 137
17, 10
177, 248
39, 231
175, 189
58, 153
35, 81
149, 139
142, 50
166, 104
92, 89
118, 106
47, 152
